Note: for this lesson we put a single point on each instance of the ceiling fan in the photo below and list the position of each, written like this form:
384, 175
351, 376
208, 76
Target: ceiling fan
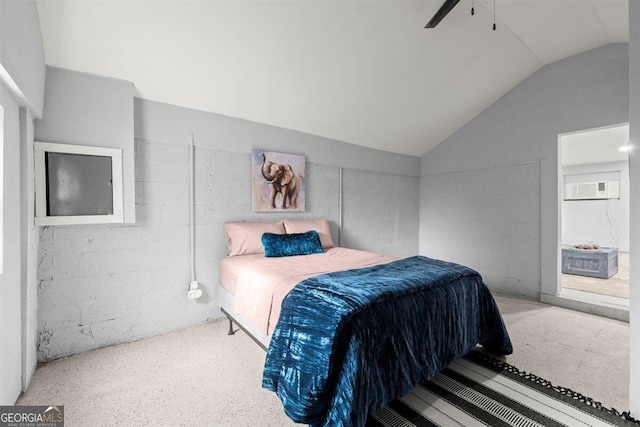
442, 12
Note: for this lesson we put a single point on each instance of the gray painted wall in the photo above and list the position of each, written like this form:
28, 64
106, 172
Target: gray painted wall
603, 221
634, 167
165, 122
22, 56
22, 51
84, 109
519, 132
30, 235
10, 279
101, 285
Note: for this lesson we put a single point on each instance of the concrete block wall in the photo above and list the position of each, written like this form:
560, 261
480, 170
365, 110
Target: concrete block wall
380, 212
488, 219
100, 285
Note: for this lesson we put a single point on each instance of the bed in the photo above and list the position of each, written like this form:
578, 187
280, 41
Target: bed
347, 331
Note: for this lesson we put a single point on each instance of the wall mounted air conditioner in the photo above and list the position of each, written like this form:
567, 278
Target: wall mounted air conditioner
601, 190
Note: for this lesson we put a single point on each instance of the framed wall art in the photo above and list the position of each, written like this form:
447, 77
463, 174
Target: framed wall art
278, 181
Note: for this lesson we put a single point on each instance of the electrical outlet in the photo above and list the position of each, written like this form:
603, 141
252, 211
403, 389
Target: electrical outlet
194, 293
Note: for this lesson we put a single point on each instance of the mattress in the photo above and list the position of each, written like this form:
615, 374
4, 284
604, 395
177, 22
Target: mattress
232, 267
259, 284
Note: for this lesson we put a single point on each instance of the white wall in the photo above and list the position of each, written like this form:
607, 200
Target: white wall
515, 135
634, 166
603, 221
101, 285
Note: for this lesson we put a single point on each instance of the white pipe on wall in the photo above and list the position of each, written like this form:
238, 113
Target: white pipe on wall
194, 288
340, 210
192, 207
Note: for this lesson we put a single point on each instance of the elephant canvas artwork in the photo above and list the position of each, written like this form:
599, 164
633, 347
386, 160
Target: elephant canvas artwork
278, 181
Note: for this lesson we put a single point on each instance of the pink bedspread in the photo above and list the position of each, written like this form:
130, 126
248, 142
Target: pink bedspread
262, 283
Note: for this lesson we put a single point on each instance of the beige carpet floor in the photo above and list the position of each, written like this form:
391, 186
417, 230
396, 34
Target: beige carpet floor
202, 377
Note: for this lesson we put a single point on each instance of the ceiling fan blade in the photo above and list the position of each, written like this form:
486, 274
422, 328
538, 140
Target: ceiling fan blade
441, 13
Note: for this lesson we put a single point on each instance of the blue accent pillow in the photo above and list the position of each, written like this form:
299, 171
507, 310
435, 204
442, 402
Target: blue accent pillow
279, 245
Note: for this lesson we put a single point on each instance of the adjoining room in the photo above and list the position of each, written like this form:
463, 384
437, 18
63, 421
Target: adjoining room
595, 211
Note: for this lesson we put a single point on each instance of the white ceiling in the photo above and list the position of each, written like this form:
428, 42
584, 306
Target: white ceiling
595, 146
364, 72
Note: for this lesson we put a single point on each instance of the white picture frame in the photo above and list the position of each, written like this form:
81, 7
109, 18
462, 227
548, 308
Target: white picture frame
77, 177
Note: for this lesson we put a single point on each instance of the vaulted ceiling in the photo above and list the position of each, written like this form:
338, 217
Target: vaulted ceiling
364, 72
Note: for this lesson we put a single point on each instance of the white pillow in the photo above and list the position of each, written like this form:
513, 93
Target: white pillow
321, 226
245, 238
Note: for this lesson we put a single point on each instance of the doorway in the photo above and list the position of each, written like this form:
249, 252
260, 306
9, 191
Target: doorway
594, 207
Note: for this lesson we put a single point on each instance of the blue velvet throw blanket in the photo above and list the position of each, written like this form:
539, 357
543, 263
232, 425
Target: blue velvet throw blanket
349, 342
